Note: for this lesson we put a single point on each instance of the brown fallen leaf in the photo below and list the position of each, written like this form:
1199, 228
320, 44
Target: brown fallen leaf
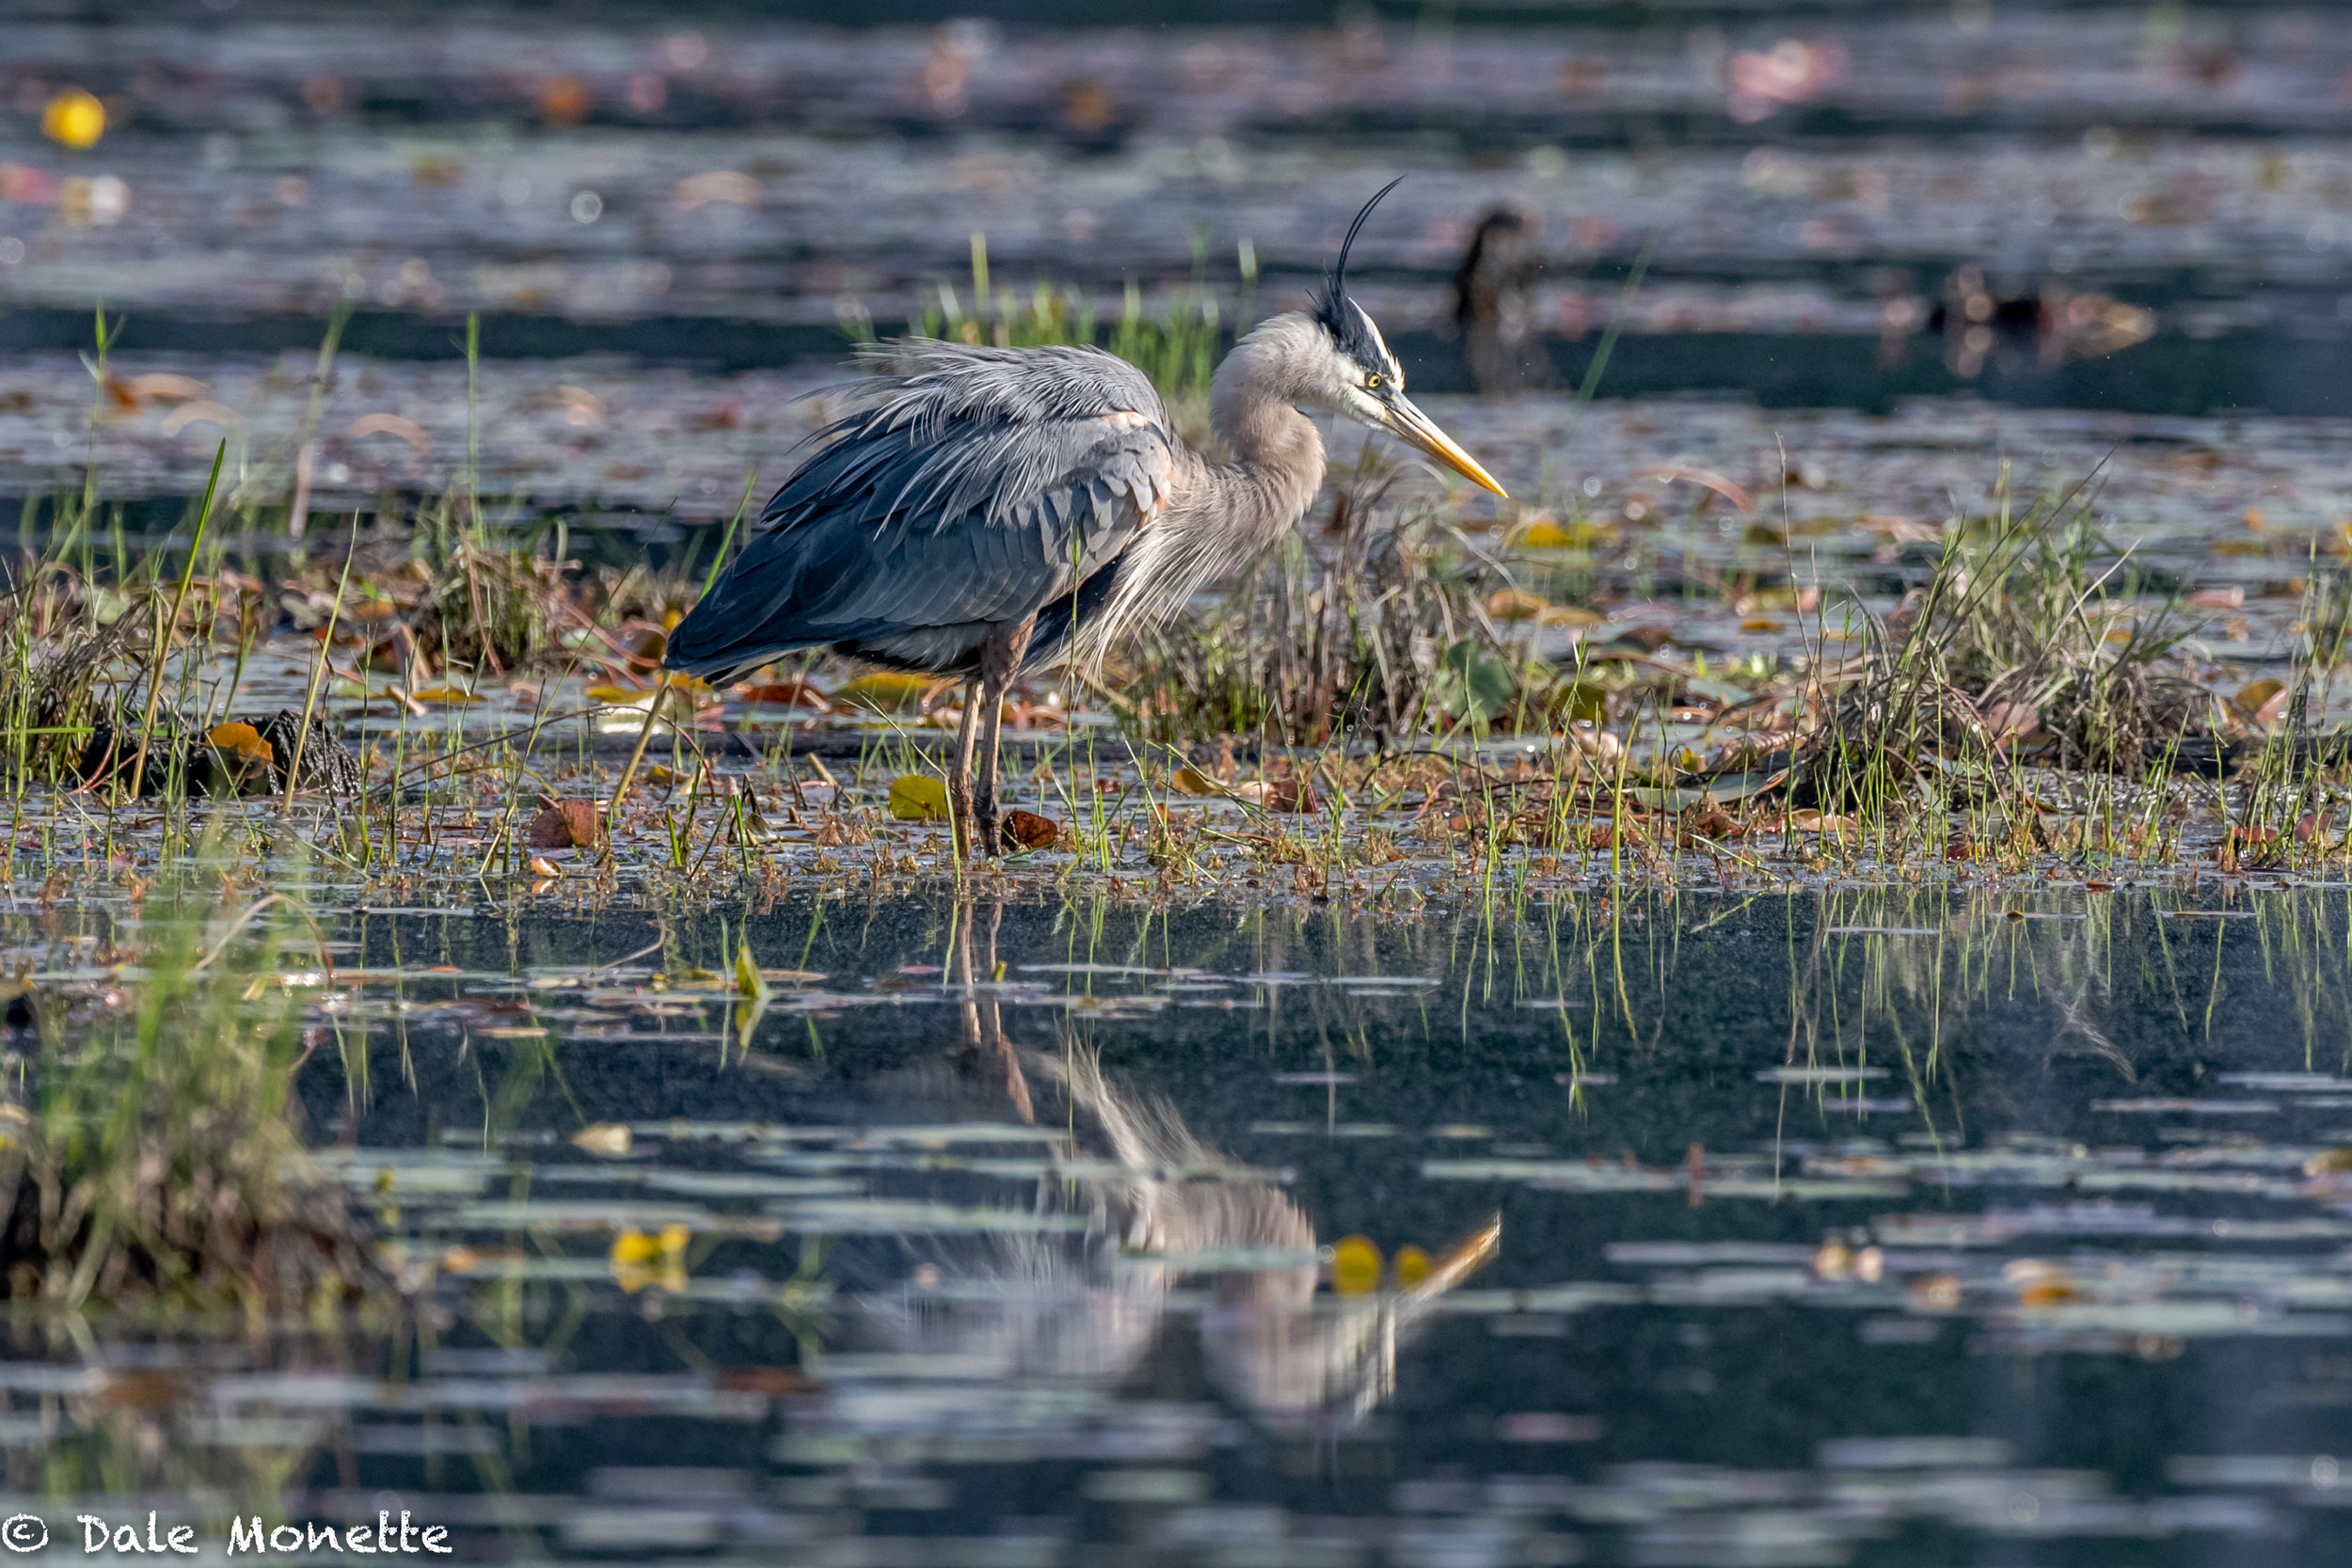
1668, 473
786, 694
1714, 823
772, 1381
1516, 604
1026, 829
567, 824
146, 1388
1288, 795
543, 868
389, 424
2005, 719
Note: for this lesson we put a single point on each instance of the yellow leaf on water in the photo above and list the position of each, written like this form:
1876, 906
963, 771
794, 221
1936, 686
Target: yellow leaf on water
1412, 1266
885, 691
241, 740
444, 695
1355, 1267
2260, 700
75, 119
918, 798
1189, 779
1546, 535
633, 1245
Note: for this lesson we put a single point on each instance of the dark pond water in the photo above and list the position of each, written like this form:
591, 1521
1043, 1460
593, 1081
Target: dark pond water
1813, 1228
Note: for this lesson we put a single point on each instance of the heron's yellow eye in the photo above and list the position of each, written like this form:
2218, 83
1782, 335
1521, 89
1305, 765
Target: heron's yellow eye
1372, 382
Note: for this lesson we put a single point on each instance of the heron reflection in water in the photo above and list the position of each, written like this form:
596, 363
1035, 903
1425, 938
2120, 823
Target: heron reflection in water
982, 513
1160, 1209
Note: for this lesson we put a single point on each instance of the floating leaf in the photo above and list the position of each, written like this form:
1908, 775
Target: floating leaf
1412, 1266
1516, 604
786, 694
918, 798
885, 691
2010, 719
1547, 533
2331, 1161
2261, 701
1291, 795
445, 694
570, 823
1580, 701
1026, 829
639, 1259
241, 740
1712, 822
718, 184
609, 1138
1715, 481
1355, 1267
1472, 685
73, 118
1189, 779
542, 866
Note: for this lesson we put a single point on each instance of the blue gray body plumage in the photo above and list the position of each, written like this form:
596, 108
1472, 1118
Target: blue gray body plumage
968, 488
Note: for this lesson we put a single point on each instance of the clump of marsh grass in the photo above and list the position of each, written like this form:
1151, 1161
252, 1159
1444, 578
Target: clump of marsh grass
2028, 642
55, 654
152, 1154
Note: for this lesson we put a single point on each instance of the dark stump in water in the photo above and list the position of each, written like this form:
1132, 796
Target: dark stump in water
234, 758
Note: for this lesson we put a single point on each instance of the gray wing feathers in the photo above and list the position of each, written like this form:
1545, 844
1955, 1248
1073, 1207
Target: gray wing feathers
968, 485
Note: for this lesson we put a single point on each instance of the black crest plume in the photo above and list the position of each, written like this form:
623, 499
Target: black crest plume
1331, 308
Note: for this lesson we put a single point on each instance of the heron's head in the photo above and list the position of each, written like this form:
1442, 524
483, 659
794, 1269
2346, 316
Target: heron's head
1360, 379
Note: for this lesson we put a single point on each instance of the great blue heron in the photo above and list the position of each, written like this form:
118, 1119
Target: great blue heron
985, 511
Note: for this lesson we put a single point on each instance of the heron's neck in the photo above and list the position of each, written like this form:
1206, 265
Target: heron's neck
1277, 452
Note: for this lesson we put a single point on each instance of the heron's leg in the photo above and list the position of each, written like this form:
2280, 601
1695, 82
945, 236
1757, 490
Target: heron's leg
1000, 660
959, 772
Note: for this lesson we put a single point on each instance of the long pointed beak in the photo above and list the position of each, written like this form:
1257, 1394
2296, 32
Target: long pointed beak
1410, 425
